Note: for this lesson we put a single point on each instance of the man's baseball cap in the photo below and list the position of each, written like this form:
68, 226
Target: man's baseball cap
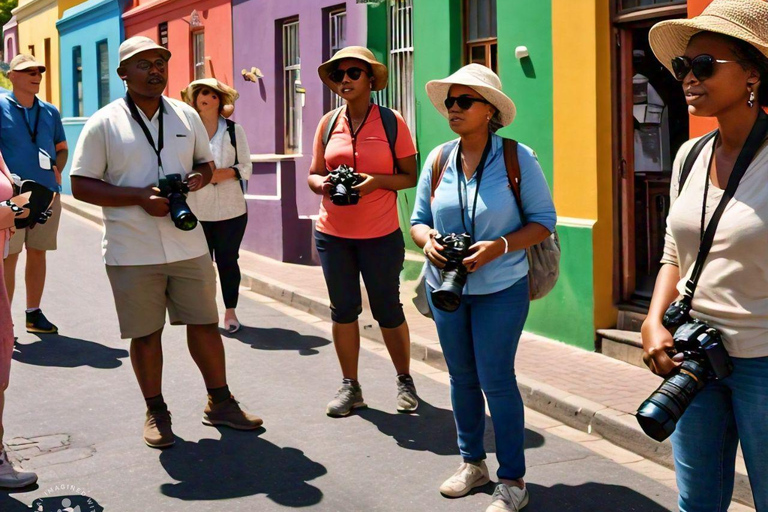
23, 61
137, 44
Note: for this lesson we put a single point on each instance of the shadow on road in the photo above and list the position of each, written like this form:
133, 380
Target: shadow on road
51, 504
589, 497
278, 339
432, 429
66, 352
237, 465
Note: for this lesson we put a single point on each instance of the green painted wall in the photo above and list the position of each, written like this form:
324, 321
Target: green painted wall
567, 313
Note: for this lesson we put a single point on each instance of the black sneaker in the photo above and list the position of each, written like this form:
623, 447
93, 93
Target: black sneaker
36, 322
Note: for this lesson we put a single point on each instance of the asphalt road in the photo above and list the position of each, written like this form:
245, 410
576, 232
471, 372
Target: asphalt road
74, 401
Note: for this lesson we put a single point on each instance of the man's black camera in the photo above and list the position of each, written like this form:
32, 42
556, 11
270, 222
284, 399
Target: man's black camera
342, 180
455, 249
176, 190
704, 359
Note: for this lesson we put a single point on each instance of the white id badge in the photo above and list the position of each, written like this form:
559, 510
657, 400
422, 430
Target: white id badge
45, 160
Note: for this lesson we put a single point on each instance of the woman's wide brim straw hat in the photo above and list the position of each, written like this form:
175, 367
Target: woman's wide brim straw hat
228, 94
380, 73
483, 81
743, 19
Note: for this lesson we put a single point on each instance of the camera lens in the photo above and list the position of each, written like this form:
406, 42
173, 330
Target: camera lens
448, 296
181, 215
659, 414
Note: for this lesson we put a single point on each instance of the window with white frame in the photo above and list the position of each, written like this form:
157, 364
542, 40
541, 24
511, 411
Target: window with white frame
401, 90
102, 65
337, 30
293, 93
198, 54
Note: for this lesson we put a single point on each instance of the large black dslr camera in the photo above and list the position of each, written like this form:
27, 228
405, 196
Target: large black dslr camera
455, 249
705, 359
176, 190
342, 180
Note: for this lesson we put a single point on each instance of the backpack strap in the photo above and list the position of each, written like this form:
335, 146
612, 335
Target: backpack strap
512, 163
389, 120
232, 138
440, 164
691, 157
330, 125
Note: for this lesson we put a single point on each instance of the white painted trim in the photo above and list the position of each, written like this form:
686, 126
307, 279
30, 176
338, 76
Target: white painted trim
575, 222
309, 217
278, 176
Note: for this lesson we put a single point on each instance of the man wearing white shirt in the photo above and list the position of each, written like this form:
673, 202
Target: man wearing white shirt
124, 151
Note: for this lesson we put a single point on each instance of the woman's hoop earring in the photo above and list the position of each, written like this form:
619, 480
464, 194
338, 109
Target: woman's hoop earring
751, 100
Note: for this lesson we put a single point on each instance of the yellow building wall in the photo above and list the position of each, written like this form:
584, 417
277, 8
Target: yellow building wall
66, 4
37, 22
583, 158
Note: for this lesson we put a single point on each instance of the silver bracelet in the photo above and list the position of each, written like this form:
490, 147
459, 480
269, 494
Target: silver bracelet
506, 245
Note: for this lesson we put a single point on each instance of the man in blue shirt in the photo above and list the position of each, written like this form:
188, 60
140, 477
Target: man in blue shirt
34, 147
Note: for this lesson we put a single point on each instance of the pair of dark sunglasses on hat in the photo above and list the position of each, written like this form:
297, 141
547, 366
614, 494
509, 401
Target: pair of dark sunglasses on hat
703, 66
354, 73
464, 102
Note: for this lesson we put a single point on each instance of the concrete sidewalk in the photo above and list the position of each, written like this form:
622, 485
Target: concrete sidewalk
585, 390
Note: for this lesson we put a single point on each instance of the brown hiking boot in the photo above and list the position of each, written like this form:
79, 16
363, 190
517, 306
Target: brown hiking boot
157, 429
228, 413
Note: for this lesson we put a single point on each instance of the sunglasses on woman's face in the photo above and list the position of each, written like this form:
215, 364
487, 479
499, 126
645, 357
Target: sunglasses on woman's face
464, 102
703, 66
338, 75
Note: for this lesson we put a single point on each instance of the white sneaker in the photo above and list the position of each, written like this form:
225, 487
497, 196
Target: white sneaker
508, 498
465, 479
10, 478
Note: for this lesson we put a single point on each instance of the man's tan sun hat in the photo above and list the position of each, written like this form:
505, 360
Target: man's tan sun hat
380, 73
228, 94
23, 61
137, 44
483, 81
743, 19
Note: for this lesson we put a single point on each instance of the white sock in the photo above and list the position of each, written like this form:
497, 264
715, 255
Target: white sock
32, 310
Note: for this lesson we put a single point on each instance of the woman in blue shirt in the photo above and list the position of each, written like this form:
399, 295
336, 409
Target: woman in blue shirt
480, 338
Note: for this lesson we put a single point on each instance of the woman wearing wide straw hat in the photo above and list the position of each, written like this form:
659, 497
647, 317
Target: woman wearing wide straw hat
220, 206
721, 59
363, 238
479, 339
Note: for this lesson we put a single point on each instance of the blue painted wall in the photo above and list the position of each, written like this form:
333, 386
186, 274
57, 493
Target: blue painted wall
86, 25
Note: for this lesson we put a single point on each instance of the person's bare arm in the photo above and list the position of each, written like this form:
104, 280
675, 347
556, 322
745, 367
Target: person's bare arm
318, 174
657, 340
101, 193
406, 177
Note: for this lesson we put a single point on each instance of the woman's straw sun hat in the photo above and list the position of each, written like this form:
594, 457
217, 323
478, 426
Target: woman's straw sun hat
227, 94
743, 19
380, 74
483, 81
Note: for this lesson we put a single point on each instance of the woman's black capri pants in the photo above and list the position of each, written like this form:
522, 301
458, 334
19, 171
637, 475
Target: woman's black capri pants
379, 260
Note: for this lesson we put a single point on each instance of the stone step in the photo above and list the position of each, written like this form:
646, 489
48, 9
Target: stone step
623, 345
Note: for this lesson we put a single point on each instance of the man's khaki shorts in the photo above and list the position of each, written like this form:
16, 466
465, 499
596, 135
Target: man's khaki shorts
42, 236
187, 289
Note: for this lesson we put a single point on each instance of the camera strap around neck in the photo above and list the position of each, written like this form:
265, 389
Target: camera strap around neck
144, 128
752, 145
478, 178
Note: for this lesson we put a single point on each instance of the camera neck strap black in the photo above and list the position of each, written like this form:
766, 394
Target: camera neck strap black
144, 128
478, 178
28, 114
752, 145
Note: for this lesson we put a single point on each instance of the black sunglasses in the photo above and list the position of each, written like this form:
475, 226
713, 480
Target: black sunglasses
703, 66
464, 102
338, 75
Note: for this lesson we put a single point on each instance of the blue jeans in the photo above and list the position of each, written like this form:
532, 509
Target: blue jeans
707, 435
479, 342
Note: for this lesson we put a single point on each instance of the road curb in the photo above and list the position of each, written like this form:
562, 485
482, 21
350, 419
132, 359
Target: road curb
575, 411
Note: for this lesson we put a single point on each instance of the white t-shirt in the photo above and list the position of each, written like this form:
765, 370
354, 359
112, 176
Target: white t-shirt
113, 148
732, 294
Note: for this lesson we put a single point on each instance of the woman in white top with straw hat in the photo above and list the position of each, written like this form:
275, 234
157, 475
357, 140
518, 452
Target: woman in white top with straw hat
480, 331
721, 60
220, 206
